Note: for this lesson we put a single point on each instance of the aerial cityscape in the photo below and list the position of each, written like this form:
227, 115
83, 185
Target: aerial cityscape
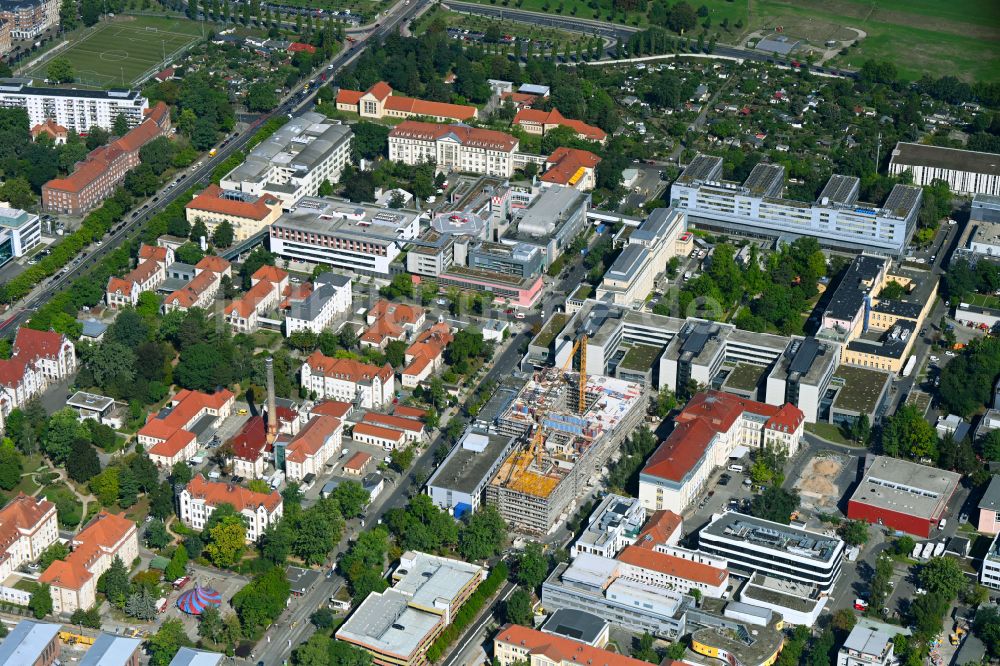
499, 333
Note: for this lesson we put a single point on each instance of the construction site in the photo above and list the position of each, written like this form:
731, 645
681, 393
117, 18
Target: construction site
569, 424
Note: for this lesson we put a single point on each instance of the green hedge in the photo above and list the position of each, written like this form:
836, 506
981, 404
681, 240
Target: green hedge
468, 612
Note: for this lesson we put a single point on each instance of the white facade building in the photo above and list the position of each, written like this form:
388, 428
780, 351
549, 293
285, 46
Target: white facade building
294, 161
866, 646
200, 498
74, 109
356, 237
27, 527
454, 148
965, 171
20, 231
614, 524
347, 380
331, 296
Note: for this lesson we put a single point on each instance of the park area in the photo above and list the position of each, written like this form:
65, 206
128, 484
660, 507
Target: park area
122, 52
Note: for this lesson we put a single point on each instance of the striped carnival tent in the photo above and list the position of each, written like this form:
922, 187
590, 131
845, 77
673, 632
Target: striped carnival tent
196, 600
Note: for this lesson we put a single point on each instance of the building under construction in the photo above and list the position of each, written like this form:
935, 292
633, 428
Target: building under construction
563, 447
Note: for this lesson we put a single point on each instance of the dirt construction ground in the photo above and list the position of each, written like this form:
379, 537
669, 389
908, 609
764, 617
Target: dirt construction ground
817, 484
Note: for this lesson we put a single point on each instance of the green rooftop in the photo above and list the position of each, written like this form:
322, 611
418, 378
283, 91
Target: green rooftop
861, 388
582, 292
745, 376
640, 358
550, 330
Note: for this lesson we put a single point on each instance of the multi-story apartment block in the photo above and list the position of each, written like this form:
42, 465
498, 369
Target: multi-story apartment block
74, 109
453, 148
294, 161
380, 101
706, 432
29, 18
345, 379
343, 235
27, 527
200, 498
801, 376
149, 274
172, 436
249, 214
331, 296
757, 206
73, 581
200, 292
95, 178
38, 358
309, 450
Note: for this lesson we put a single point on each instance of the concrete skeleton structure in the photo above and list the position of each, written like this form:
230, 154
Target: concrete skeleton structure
533, 490
758, 207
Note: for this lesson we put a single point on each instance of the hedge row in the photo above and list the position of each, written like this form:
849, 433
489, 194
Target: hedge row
468, 612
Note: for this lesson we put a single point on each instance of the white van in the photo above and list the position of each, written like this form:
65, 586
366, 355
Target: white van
735, 468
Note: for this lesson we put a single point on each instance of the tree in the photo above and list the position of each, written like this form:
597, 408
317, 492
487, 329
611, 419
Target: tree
854, 532
227, 541
161, 501
532, 566
158, 154
517, 608
775, 504
987, 627
106, 486
401, 459
68, 17
57, 551
210, 624
644, 650
223, 234
325, 188
819, 652
943, 576
17, 191
63, 429
181, 473
83, 463
156, 534
261, 97
120, 128
164, 644
263, 599
903, 546
395, 353
140, 605
60, 70
907, 433
114, 583
352, 498
844, 620
90, 618
316, 533
681, 18
11, 464
483, 536
41, 601
322, 618
177, 567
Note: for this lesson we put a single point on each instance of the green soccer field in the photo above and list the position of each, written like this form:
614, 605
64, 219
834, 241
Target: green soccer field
125, 51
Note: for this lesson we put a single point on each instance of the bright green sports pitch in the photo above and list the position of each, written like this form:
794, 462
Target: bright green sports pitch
123, 52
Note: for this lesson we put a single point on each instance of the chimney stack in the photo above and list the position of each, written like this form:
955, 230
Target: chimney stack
272, 410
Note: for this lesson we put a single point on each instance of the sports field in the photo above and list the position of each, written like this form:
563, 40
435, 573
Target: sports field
983, 301
123, 52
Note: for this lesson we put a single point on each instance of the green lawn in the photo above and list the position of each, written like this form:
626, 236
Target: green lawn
983, 301
829, 432
125, 51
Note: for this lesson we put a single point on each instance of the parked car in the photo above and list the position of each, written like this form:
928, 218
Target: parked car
860, 604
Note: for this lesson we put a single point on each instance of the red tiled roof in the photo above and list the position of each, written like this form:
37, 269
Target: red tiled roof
672, 565
154, 252
561, 650
295, 47
347, 368
335, 408
22, 513
242, 499
211, 262
553, 117
468, 136
358, 461
707, 414
188, 295
394, 422
254, 296
312, 438
378, 431
103, 532
658, 529
187, 406
50, 127
433, 109
380, 90
410, 412
565, 162
250, 442
29, 346
116, 284
209, 200
520, 99
345, 96
399, 313
269, 273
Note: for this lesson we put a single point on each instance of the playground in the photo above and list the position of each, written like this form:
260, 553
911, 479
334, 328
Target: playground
122, 52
